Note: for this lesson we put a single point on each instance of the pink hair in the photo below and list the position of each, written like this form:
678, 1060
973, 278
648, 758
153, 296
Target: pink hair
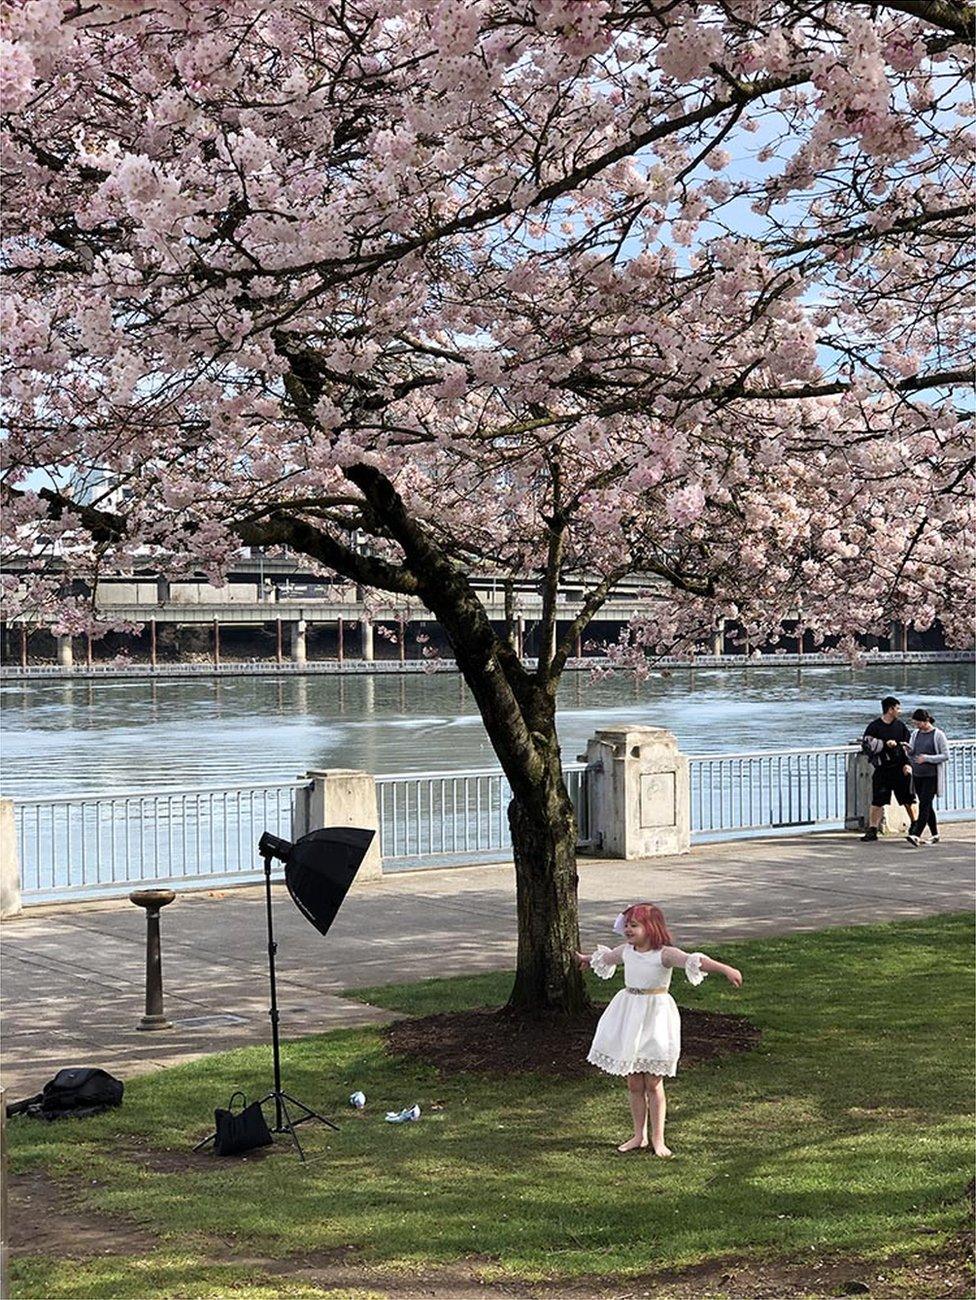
652, 919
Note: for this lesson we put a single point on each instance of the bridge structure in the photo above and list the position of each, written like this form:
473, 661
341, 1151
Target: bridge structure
276, 595
279, 596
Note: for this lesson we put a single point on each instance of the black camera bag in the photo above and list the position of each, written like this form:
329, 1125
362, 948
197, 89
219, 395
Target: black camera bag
74, 1092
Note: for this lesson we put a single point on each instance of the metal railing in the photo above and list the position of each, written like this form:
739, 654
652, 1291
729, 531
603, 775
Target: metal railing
90, 845
770, 789
800, 789
434, 819
960, 780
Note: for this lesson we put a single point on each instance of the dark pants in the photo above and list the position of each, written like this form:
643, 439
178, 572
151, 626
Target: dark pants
925, 788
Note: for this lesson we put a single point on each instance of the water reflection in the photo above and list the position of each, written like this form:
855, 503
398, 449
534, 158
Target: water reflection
73, 736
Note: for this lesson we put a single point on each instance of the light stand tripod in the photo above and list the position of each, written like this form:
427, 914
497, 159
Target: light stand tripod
283, 1119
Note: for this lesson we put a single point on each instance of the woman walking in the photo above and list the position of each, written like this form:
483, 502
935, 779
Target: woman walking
928, 753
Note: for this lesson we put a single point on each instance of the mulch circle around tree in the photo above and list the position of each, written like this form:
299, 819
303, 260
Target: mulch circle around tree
488, 1040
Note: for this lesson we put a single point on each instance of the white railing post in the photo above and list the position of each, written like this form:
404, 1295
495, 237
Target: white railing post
639, 793
343, 797
10, 903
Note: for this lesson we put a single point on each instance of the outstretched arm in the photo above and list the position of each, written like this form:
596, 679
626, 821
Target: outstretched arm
699, 964
603, 961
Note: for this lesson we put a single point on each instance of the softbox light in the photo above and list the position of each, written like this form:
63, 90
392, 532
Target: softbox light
320, 868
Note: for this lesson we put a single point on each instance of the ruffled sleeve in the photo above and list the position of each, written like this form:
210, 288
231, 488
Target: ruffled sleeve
599, 964
693, 971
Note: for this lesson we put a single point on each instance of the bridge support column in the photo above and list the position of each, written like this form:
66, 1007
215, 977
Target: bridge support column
152, 643
216, 643
343, 797
65, 654
718, 638
299, 644
402, 637
340, 646
639, 795
279, 654
520, 636
366, 639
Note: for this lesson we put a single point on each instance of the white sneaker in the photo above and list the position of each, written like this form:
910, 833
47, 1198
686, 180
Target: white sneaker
913, 839
935, 839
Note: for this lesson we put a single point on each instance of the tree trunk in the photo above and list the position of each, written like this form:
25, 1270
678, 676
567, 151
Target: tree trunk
543, 826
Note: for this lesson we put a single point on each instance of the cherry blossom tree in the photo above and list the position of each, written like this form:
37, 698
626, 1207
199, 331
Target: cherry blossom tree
530, 287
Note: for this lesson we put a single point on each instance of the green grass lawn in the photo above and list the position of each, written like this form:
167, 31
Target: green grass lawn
848, 1130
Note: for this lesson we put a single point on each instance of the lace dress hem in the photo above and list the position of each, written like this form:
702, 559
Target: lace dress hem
642, 1065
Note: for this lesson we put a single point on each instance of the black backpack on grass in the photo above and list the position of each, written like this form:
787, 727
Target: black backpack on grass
76, 1092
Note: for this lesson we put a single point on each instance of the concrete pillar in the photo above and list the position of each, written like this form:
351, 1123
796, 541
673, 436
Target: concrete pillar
65, 655
9, 865
279, 655
639, 792
520, 636
340, 646
343, 797
366, 639
23, 645
402, 636
216, 643
578, 646
152, 643
299, 647
718, 638
88, 649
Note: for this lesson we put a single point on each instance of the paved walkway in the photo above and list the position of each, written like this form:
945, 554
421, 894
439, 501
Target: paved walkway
73, 980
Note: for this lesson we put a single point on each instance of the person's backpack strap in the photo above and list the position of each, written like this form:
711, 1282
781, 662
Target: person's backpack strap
21, 1107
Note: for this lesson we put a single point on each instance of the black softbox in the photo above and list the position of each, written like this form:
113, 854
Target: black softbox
320, 868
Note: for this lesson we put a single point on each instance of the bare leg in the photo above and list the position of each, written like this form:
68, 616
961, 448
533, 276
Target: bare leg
874, 817
636, 1095
657, 1108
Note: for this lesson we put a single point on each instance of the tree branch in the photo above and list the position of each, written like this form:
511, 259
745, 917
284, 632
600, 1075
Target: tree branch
958, 18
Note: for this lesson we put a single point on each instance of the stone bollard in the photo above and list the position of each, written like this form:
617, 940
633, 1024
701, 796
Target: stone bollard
639, 800
347, 797
10, 903
894, 821
152, 900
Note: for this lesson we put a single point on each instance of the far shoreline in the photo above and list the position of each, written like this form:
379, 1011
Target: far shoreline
385, 667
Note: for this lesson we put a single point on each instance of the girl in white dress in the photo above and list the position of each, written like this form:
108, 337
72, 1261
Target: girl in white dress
639, 1034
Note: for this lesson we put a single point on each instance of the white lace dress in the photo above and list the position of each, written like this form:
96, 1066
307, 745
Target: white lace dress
640, 1032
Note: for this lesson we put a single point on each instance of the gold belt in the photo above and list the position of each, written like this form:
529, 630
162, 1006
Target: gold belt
661, 990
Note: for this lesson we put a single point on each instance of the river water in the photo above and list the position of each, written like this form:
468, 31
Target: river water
72, 737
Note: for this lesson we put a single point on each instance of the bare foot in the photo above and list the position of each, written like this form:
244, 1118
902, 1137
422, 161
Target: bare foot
663, 1152
633, 1144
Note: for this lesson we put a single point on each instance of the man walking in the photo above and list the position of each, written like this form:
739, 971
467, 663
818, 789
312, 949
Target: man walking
885, 742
